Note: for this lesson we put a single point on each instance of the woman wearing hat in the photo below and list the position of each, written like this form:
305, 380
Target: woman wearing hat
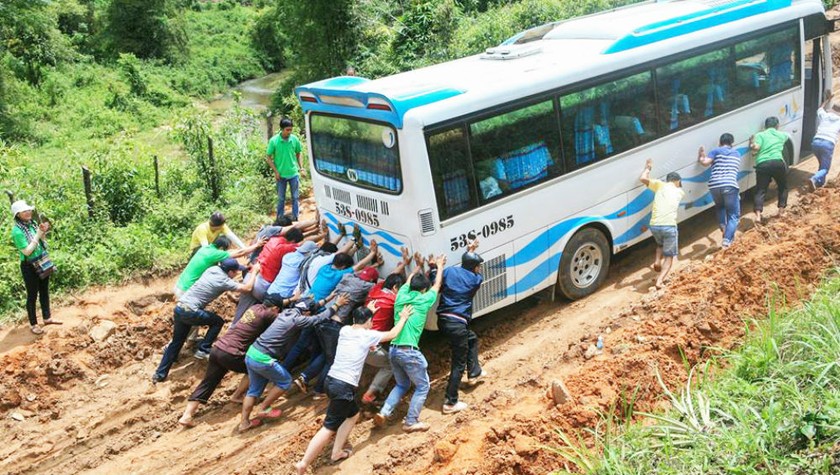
28, 238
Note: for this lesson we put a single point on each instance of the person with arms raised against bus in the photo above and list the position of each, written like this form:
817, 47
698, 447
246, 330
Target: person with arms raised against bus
206, 257
29, 239
663, 219
828, 127
723, 185
354, 343
283, 157
190, 312
228, 354
383, 296
263, 358
208, 231
454, 312
768, 146
407, 362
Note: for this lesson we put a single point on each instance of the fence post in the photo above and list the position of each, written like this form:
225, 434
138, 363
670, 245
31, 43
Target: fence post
157, 177
88, 191
214, 176
269, 126
11, 196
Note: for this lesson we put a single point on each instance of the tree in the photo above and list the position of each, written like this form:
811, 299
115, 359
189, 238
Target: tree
149, 29
323, 35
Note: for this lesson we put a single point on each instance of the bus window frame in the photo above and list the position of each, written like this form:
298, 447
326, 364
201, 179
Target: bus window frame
345, 180
554, 94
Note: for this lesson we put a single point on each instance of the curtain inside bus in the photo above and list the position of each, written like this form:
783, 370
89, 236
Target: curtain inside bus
357, 152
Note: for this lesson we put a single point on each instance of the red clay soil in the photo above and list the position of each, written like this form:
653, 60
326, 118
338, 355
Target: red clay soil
69, 404
705, 309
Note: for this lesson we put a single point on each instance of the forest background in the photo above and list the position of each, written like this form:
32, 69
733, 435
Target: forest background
115, 85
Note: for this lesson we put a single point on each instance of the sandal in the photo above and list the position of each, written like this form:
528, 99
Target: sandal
271, 414
253, 423
36, 330
343, 455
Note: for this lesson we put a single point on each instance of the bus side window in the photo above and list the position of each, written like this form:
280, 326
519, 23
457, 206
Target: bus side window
764, 66
451, 172
607, 119
514, 150
694, 89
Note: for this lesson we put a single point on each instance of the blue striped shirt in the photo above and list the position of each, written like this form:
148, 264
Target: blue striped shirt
726, 163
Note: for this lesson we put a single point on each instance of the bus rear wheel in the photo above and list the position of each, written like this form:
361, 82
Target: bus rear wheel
584, 264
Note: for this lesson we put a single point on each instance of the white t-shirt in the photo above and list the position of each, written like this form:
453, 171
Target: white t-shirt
828, 126
350, 354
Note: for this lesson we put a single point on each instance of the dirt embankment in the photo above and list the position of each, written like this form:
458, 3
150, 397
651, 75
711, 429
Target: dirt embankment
72, 403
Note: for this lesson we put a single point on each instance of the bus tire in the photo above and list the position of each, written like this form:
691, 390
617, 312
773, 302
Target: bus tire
787, 153
584, 264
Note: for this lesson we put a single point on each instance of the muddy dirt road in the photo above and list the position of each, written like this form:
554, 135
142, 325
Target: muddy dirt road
71, 404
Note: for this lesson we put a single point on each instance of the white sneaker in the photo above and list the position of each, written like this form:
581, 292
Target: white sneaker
201, 355
453, 408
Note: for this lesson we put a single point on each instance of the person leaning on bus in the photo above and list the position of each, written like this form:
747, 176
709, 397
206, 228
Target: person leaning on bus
208, 231
828, 127
28, 238
663, 219
768, 146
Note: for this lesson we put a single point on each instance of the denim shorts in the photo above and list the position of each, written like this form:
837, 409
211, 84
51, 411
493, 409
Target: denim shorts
259, 375
666, 238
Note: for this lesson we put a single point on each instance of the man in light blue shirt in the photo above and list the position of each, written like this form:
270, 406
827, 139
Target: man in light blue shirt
288, 278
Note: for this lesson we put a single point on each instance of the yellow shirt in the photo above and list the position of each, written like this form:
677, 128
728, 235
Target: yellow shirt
666, 203
204, 235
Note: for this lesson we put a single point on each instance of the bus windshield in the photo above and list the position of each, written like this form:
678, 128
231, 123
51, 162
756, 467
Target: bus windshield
356, 152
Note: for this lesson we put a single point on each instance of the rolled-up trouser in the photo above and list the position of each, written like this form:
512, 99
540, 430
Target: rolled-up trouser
378, 358
218, 365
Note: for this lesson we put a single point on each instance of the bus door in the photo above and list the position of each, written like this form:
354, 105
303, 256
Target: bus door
817, 74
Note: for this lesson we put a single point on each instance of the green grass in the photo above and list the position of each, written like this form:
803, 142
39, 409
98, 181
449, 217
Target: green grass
114, 117
773, 407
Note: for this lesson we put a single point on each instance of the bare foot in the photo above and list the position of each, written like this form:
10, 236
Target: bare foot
186, 422
300, 468
250, 425
237, 399
53, 322
659, 285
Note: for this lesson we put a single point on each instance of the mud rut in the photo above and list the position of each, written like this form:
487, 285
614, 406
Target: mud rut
69, 404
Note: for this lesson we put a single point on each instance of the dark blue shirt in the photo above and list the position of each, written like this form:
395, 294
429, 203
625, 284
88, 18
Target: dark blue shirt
457, 292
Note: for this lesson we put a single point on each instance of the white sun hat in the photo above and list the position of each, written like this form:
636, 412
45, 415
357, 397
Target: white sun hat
20, 206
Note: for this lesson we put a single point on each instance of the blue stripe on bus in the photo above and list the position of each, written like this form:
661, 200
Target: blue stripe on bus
365, 232
634, 231
536, 276
693, 22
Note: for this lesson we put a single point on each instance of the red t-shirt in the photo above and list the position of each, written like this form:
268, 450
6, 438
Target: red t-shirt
383, 319
271, 257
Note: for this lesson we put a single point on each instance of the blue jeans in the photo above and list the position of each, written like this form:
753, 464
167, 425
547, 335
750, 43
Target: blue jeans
409, 367
728, 208
306, 341
823, 149
183, 322
294, 184
259, 374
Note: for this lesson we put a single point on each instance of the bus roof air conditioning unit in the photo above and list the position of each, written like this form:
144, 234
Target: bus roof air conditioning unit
511, 51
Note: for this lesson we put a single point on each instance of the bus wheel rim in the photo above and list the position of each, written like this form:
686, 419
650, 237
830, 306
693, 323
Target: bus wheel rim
586, 265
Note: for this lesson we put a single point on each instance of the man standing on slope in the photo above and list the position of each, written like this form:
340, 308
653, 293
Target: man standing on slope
283, 156
407, 362
454, 314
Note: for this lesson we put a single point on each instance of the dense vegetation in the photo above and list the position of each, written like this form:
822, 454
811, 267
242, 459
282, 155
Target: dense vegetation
772, 407
110, 84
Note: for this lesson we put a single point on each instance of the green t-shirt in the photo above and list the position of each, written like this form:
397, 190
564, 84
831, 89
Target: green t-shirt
420, 303
20, 241
203, 259
771, 142
285, 154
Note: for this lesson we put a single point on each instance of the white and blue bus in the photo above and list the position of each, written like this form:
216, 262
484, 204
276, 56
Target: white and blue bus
535, 146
